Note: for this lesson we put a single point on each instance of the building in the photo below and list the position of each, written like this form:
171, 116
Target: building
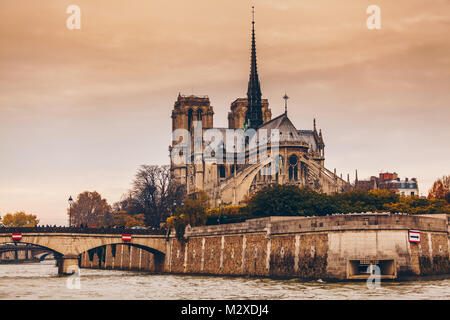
389, 181
299, 157
404, 187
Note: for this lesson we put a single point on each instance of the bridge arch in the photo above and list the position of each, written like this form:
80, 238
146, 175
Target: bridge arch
44, 255
51, 249
104, 257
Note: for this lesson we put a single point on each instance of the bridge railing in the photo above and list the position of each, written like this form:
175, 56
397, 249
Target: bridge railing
83, 230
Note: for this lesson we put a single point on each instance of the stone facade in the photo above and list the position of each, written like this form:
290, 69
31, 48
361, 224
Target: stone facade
334, 248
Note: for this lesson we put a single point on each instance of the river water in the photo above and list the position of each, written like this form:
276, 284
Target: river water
40, 281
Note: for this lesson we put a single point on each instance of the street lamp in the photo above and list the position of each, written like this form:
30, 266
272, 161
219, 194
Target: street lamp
174, 208
220, 203
70, 210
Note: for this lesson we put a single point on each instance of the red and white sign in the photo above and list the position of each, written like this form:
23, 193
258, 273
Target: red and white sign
17, 236
126, 237
414, 236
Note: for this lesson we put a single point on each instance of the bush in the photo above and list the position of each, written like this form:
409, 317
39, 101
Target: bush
227, 214
289, 200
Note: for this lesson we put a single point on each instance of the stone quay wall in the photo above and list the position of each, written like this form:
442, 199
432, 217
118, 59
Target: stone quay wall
333, 247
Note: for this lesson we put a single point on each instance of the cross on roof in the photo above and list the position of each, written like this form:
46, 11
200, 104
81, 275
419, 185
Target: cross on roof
285, 102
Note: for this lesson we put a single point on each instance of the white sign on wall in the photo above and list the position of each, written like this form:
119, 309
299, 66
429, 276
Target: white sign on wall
414, 236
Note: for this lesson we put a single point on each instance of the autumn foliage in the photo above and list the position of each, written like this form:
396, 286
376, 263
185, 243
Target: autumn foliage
122, 219
20, 219
90, 209
440, 189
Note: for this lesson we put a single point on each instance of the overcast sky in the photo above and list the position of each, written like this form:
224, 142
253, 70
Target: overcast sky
82, 109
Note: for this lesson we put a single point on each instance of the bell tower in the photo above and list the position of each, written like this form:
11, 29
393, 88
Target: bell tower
187, 111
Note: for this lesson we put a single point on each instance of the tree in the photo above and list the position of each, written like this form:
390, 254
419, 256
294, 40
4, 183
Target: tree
20, 219
194, 208
125, 220
89, 209
363, 200
154, 194
440, 188
193, 212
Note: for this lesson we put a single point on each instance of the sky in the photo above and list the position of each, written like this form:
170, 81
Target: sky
82, 109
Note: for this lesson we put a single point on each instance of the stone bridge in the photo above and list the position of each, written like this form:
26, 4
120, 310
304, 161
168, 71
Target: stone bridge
67, 244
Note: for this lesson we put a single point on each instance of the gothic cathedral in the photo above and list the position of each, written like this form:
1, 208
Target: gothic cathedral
300, 153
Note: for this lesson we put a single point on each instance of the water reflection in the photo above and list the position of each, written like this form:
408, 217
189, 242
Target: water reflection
40, 281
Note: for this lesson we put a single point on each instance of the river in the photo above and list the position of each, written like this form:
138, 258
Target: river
40, 281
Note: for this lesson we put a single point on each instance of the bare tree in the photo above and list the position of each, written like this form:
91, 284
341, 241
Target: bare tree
155, 193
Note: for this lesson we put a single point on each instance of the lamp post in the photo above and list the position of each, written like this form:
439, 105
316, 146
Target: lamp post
174, 208
220, 203
70, 210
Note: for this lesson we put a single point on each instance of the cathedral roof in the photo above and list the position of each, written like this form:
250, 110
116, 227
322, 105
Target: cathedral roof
288, 132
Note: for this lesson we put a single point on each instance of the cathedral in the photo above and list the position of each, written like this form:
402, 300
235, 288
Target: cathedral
299, 157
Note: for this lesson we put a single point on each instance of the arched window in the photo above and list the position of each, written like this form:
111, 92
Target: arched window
199, 115
293, 167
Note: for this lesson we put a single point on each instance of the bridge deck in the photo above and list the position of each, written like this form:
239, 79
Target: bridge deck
82, 230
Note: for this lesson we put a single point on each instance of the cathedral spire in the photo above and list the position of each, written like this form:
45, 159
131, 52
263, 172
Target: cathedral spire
253, 117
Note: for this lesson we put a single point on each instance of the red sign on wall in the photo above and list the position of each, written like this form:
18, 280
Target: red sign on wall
126, 237
414, 236
17, 236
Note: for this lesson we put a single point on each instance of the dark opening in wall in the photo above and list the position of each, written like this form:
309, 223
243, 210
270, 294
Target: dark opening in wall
363, 269
221, 171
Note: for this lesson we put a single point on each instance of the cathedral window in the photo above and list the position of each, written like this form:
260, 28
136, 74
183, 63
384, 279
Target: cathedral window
221, 171
293, 167
190, 118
